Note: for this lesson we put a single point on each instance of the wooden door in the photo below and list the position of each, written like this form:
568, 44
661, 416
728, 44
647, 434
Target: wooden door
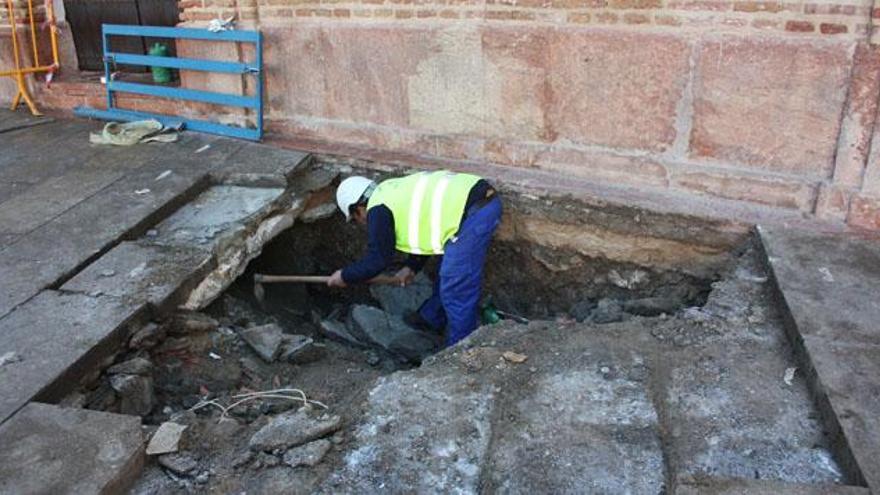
86, 17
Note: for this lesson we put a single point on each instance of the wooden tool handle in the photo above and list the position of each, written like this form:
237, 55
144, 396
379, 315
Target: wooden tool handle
309, 279
318, 279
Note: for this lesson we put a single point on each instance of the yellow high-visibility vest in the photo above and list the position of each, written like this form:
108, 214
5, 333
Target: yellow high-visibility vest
427, 208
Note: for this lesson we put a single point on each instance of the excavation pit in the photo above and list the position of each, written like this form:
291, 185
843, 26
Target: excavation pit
642, 351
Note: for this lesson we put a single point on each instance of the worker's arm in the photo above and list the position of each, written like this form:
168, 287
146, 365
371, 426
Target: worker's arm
380, 247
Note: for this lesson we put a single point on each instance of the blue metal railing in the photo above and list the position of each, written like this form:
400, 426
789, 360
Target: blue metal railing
254, 102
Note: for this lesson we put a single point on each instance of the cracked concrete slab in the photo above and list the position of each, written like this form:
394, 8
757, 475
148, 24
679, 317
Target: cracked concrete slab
139, 273
49, 449
220, 211
21, 119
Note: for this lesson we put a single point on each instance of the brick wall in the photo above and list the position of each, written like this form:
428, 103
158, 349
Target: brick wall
770, 103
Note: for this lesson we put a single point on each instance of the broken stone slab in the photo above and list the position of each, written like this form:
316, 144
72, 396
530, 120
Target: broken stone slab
166, 438
651, 306
266, 340
49, 449
293, 428
401, 300
299, 349
135, 366
135, 393
320, 212
180, 464
392, 333
338, 331
309, 454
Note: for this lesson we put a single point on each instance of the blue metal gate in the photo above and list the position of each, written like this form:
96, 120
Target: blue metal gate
254, 103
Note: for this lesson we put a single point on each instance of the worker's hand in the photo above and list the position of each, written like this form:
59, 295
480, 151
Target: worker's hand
336, 280
405, 275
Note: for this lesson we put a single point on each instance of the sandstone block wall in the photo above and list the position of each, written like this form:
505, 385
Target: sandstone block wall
771, 103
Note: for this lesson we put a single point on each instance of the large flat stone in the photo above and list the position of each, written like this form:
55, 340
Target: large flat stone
141, 273
257, 165
219, 211
56, 337
616, 90
49, 449
21, 119
765, 104
711, 486
828, 282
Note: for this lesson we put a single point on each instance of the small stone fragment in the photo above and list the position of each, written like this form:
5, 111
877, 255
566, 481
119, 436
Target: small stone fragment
180, 464
147, 337
789, 376
166, 438
651, 306
9, 358
108, 273
581, 310
190, 322
135, 366
309, 454
514, 357
607, 311
265, 340
135, 393
293, 428
299, 349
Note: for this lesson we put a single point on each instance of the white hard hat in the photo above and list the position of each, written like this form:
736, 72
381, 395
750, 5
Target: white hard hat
350, 191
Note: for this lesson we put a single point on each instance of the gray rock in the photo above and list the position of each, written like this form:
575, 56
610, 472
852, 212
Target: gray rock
135, 393
309, 454
299, 349
338, 331
607, 311
136, 366
651, 306
166, 438
392, 333
265, 340
147, 337
293, 428
400, 300
582, 310
180, 464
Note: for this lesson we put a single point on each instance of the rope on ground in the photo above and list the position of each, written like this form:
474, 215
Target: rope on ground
279, 393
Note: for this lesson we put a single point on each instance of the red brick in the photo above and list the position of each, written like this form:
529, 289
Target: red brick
341, 13
448, 14
606, 18
757, 103
403, 14
667, 20
799, 26
635, 4
709, 5
421, 14
633, 18
827, 28
765, 24
757, 6
762, 190
579, 17
864, 212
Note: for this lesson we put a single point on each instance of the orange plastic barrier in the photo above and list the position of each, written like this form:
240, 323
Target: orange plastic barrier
36, 66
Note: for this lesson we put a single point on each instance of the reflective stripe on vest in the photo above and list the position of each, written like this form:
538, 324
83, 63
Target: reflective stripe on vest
427, 208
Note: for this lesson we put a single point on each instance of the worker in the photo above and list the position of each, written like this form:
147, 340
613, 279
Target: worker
426, 214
